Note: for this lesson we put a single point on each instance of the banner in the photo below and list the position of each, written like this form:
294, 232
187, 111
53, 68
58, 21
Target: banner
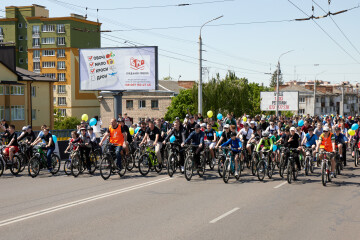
288, 101
133, 68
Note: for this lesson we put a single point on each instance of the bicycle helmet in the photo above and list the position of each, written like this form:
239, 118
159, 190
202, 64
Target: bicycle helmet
24, 128
326, 129
265, 134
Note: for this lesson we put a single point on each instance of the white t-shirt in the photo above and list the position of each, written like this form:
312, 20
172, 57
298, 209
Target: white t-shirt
246, 134
271, 130
96, 128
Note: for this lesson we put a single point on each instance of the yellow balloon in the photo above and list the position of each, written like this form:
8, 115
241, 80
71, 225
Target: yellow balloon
210, 114
351, 132
131, 130
244, 119
352, 118
84, 117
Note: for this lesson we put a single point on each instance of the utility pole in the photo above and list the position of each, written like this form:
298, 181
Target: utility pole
200, 110
314, 97
342, 99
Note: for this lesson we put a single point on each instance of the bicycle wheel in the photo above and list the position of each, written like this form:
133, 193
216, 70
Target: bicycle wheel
22, 160
221, 165
144, 164
289, 172
55, 163
307, 165
254, 164
189, 162
34, 166
93, 163
295, 172
67, 167
323, 174
76, 166
270, 170
356, 157
261, 171
136, 158
130, 162
226, 171
105, 168
311, 166
2, 166
211, 163
171, 165
201, 168
15, 166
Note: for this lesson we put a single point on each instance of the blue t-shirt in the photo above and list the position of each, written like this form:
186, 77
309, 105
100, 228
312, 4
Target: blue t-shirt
311, 140
340, 139
235, 144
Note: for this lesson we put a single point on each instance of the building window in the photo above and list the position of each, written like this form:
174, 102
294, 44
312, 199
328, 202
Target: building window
155, 104
36, 30
60, 53
33, 91
61, 41
61, 77
54, 100
21, 37
2, 112
1, 31
48, 28
301, 111
17, 90
36, 42
49, 40
62, 112
142, 104
317, 99
6, 90
61, 89
302, 100
54, 88
1, 90
61, 101
129, 104
61, 65
36, 66
17, 113
33, 114
48, 64
21, 49
61, 28
50, 75
48, 53
21, 60
20, 25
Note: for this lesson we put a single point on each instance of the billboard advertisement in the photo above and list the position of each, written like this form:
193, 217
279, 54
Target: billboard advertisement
129, 68
288, 101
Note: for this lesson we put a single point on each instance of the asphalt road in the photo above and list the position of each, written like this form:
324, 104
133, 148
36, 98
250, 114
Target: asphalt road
159, 207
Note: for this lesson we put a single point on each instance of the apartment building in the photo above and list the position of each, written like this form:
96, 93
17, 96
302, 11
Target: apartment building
49, 46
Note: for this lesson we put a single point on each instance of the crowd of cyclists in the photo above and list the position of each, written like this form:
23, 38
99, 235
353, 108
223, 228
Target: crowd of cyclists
260, 143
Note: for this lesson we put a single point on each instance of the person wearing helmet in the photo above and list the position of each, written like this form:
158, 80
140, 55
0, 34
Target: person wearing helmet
225, 136
27, 134
245, 135
265, 143
327, 142
272, 128
310, 140
236, 146
253, 126
340, 143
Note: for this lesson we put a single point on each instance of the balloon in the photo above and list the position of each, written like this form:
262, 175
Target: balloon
84, 117
351, 132
172, 139
340, 116
219, 133
355, 127
210, 114
54, 138
137, 129
244, 119
220, 116
92, 122
332, 115
301, 123
274, 148
131, 130
352, 118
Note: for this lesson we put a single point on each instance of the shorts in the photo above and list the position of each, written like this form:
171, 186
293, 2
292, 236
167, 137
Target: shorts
6, 150
210, 144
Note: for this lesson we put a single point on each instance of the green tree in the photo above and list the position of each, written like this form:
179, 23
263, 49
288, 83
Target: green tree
180, 105
274, 79
61, 122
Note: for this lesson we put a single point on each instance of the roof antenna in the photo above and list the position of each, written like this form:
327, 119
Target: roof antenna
97, 15
86, 13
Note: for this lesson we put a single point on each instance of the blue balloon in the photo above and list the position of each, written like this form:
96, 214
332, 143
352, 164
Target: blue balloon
355, 126
340, 116
220, 116
172, 139
301, 123
274, 148
137, 129
219, 133
54, 138
92, 122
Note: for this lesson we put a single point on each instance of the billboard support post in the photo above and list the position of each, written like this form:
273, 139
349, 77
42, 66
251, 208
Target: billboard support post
117, 103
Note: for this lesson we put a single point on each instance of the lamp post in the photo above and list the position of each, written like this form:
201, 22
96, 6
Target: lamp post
200, 66
277, 83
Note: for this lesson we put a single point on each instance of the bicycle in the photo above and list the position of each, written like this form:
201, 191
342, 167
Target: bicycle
309, 163
108, 163
39, 162
292, 169
78, 165
190, 163
174, 158
325, 167
265, 166
24, 153
221, 161
149, 161
282, 162
338, 163
229, 166
356, 155
207, 156
5, 163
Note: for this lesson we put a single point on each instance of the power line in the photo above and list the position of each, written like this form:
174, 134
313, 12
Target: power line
324, 31
339, 28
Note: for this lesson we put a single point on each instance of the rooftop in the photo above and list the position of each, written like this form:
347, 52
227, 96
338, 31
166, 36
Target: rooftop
31, 76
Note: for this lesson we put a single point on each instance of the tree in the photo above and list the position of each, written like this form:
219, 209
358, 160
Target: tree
274, 79
61, 122
180, 104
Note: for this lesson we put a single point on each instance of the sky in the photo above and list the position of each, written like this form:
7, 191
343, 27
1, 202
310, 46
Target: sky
250, 50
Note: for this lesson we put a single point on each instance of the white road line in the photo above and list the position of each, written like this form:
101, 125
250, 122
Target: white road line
79, 202
281, 184
224, 215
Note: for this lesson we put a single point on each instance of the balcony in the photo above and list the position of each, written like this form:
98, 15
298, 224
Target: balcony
36, 59
36, 70
36, 34
1, 37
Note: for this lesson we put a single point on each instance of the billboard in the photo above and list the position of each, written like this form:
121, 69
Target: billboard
288, 101
129, 68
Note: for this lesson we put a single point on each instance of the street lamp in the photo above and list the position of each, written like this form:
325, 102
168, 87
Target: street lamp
200, 66
277, 83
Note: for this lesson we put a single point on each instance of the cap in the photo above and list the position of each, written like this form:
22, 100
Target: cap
252, 122
263, 118
177, 118
226, 126
203, 125
326, 129
29, 127
90, 128
197, 126
246, 124
232, 134
292, 129
24, 128
82, 129
187, 116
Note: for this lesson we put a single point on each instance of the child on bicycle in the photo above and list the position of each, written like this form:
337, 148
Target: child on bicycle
74, 136
236, 147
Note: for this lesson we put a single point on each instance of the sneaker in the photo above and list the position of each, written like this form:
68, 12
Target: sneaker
236, 173
213, 161
182, 169
331, 175
50, 170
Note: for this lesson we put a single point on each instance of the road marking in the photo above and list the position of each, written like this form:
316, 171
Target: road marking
224, 215
79, 202
281, 184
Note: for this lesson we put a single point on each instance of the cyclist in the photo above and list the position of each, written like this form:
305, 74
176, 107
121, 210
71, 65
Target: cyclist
291, 140
27, 134
141, 132
125, 129
310, 141
50, 145
74, 136
340, 143
117, 139
179, 133
245, 135
12, 147
272, 128
196, 138
152, 136
85, 147
92, 135
211, 139
224, 136
265, 143
275, 139
236, 146
319, 130
327, 142
190, 126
